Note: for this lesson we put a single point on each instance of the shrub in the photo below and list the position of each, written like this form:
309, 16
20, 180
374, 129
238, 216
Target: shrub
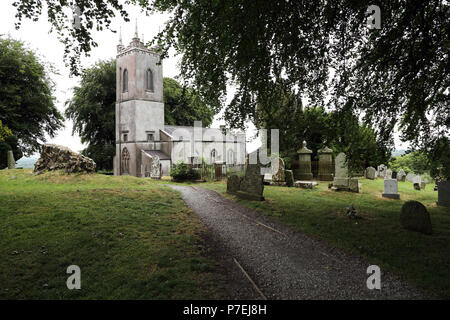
183, 172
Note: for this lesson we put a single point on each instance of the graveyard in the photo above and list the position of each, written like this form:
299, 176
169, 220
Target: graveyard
376, 232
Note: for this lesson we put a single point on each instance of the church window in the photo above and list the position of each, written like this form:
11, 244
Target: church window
149, 80
125, 163
125, 80
150, 137
213, 156
125, 137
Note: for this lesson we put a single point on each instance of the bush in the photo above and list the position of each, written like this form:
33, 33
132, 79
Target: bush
183, 172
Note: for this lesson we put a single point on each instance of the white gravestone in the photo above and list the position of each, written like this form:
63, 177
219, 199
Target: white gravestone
388, 174
391, 189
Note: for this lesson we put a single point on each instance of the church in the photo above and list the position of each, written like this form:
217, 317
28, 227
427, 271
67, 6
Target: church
142, 138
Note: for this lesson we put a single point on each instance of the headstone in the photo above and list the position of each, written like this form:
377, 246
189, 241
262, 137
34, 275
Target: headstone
422, 185
304, 164
278, 176
341, 170
388, 174
416, 186
11, 161
414, 216
381, 170
325, 164
289, 178
252, 186
233, 184
371, 173
353, 185
394, 174
410, 177
155, 172
443, 193
401, 175
305, 184
391, 189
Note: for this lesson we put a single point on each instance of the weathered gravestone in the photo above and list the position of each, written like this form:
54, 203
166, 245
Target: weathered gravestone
443, 193
305, 184
340, 167
410, 177
11, 161
289, 178
341, 180
401, 175
388, 174
252, 185
278, 177
414, 216
233, 184
391, 189
325, 164
304, 164
371, 173
381, 171
155, 172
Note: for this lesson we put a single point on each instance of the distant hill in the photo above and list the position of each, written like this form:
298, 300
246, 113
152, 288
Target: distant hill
398, 153
26, 162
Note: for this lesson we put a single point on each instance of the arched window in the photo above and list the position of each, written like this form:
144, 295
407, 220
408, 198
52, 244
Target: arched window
125, 80
230, 157
213, 156
125, 163
149, 80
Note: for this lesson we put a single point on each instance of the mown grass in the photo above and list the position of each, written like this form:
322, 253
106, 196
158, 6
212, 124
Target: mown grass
378, 236
132, 238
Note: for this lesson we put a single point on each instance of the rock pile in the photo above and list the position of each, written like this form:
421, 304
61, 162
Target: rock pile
54, 157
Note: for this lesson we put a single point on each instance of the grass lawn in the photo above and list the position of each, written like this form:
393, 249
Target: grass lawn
423, 260
132, 238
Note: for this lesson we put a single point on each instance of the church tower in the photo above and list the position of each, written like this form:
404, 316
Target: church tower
139, 104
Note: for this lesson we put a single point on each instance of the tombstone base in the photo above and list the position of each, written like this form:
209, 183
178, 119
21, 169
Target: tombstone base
325, 177
249, 196
305, 176
390, 195
305, 184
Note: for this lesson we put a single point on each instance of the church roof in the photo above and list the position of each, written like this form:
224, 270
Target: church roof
160, 154
207, 133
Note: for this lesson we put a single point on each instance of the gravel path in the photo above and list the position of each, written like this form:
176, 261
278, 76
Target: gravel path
283, 263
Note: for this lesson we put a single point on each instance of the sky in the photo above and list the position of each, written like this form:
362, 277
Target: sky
37, 36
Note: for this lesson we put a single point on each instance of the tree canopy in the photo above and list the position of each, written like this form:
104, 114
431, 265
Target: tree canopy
27, 105
397, 74
92, 109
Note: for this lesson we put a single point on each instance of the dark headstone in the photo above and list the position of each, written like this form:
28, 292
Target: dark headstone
233, 184
289, 178
252, 185
443, 193
417, 186
394, 174
414, 216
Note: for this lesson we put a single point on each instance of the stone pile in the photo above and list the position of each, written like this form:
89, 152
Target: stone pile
54, 157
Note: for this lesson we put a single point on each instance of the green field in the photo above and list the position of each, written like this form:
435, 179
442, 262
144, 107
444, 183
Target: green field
132, 238
378, 236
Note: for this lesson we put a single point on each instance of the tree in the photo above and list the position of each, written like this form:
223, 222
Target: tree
92, 109
27, 105
8, 142
395, 75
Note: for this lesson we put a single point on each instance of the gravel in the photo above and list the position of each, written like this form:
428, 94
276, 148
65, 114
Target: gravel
284, 263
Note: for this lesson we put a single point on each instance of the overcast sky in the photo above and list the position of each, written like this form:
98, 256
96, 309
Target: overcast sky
37, 36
